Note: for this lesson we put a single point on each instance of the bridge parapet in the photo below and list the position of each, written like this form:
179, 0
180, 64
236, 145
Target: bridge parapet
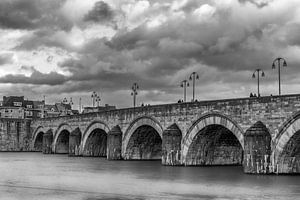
273, 111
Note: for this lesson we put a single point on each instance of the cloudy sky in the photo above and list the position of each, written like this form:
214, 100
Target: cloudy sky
69, 48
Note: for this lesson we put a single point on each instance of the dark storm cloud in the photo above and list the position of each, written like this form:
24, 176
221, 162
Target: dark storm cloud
101, 12
32, 14
6, 58
36, 78
42, 38
179, 42
223, 42
258, 3
293, 31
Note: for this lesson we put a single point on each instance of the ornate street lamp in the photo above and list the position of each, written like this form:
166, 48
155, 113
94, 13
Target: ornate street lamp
284, 64
184, 84
134, 89
193, 77
262, 75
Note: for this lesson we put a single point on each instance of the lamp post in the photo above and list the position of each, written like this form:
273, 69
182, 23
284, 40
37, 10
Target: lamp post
71, 102
193, 77
262, 75
98, 100
79, 105
284, 64
94, 95
43, 114
184, 84
134, 89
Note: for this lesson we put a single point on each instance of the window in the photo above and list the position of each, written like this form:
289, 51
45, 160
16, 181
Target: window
29, 106
18, 104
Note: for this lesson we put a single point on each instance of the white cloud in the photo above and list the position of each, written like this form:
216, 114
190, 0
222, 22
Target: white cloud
204, 12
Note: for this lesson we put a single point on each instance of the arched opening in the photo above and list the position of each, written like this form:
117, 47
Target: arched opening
289, 159
215, 145
62, 143
96, 144
144, 144
38, 143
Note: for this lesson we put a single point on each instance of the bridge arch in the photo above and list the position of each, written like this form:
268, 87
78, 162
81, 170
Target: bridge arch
207, 124
94, 141
134, 131
61, 138
286, 152
37, 141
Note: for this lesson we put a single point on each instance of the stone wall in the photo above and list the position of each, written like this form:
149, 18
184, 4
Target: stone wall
15, 135
187, 145
272, 111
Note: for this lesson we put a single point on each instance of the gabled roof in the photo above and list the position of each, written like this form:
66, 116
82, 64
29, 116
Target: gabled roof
51, 108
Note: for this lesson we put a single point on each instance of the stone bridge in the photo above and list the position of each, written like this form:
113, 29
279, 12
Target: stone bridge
262, 133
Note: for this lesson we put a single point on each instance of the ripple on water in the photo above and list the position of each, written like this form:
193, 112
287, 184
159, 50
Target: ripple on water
37, 176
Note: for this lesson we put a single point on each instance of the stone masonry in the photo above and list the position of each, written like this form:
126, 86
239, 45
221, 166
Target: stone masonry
229, 120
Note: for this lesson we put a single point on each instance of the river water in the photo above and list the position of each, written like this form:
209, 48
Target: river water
44, 177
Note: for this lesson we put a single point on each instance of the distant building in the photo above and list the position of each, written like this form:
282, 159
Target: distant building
12, 107
98, 109
17, 107
29, 110
39, 108
13, 101
64, 109
51, 111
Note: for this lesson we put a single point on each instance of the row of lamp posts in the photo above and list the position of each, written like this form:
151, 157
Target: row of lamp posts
95, 99
184, 84
193, 77
259, 71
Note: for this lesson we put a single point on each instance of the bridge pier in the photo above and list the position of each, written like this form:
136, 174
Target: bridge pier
257, 144
47, 142
114, 144
171, 146
74, 142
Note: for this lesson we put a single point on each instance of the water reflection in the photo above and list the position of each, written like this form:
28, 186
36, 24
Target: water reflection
38, 176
